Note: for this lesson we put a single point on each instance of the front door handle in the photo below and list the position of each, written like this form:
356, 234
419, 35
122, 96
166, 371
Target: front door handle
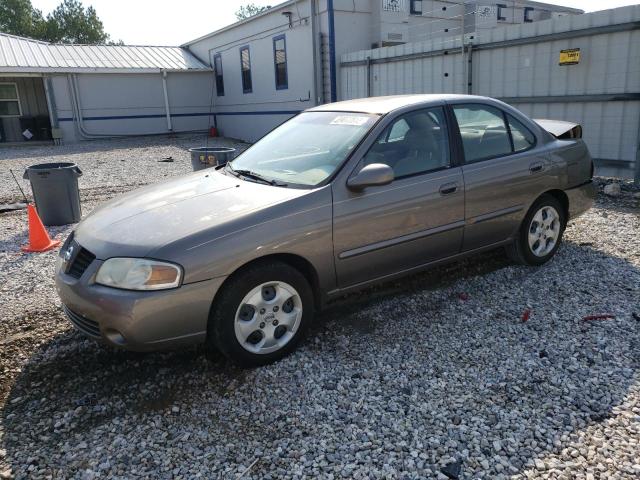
448, 188
536, 167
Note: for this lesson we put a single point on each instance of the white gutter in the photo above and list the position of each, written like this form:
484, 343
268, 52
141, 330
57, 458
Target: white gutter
166, 100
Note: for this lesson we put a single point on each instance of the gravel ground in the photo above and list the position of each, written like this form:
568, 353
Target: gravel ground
433, 374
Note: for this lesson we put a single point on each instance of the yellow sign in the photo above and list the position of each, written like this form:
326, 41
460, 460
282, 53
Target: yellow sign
570, 56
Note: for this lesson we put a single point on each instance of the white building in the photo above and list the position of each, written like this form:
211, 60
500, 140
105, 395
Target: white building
275, 64
75, 92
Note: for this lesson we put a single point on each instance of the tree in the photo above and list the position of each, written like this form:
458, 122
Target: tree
70, 22
249, 10
18, 17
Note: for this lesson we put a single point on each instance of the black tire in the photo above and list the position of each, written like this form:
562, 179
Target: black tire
520, 251
221, 328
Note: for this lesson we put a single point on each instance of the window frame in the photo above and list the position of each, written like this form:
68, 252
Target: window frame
244, 88
17, 100
412, 10
505, 119
219, 91
526, 18
386, 130
282, 37
513, 148
499, 8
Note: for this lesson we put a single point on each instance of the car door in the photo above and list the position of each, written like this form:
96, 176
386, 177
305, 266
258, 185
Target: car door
503, 172
417, 218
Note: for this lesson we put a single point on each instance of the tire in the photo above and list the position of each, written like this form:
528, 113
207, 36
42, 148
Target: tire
524, 249
261, 314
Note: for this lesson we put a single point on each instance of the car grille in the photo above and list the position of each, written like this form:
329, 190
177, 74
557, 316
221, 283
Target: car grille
86, 326
81, 262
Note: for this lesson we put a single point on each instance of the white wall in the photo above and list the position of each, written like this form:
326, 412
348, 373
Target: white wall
248, 116
126, 104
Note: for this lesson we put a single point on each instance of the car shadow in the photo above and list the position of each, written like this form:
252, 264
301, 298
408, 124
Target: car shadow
493, 384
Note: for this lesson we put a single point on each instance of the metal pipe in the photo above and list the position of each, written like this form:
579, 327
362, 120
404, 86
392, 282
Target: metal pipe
314, 43
166, 100
332, 51
51, 101
368, 76
636, 177
470, 68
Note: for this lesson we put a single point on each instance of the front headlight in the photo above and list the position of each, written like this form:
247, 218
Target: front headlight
139, 274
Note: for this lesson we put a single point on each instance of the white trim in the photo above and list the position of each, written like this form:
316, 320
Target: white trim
17, 99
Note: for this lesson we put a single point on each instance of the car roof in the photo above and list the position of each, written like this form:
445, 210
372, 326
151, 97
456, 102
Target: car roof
383, 105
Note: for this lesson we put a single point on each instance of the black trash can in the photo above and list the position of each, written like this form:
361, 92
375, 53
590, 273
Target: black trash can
206, 157
55, 191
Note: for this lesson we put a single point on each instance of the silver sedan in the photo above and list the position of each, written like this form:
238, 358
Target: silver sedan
339, 197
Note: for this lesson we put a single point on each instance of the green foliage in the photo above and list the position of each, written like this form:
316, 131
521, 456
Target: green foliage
70, 22
249, 10
18, 17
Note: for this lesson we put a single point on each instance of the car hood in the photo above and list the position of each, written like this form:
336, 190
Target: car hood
141, 221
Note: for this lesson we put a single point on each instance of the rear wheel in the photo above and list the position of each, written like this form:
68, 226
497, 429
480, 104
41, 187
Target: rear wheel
541, 232
261, 314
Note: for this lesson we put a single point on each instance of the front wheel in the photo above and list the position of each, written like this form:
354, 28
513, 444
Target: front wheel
261, 314
541, 232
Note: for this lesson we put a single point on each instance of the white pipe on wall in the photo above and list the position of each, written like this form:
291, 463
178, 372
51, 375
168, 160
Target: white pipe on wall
166, 100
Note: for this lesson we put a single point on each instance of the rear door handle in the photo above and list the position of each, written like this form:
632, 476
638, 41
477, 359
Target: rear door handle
448, 188
536, 167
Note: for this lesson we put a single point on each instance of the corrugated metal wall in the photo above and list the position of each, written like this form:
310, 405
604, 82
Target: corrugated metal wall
33, 102
519, 64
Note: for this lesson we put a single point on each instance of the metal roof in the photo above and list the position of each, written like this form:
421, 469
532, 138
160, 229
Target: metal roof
24, 55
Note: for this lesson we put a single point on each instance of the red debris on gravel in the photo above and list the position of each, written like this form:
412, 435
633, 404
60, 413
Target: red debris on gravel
463, 296
525, 315
603, 316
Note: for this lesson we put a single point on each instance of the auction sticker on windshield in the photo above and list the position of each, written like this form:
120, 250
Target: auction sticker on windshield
354, 120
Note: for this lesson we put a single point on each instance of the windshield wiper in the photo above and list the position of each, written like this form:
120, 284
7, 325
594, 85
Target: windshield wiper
256, 176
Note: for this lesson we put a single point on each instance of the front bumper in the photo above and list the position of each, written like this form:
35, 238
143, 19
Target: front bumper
581, 198
137, 320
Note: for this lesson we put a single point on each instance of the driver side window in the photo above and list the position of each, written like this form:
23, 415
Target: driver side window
414, 143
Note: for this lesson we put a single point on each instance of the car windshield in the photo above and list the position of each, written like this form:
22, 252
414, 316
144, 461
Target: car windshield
306, 150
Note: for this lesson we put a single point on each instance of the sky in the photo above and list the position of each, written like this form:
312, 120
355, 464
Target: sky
148, 22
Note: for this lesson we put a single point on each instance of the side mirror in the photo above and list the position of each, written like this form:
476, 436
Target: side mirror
371, 175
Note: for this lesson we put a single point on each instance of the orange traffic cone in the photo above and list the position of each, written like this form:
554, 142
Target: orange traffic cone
39, 240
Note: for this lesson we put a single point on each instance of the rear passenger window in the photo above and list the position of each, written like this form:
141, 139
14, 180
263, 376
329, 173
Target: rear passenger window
483, 131
414, 143
522, 137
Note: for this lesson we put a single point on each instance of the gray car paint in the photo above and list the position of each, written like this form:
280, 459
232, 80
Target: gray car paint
212, 224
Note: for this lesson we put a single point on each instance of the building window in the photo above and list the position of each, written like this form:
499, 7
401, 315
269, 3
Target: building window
245, 67
500, 6
217, 66
527, 11
9, 100
415, 7
280, 62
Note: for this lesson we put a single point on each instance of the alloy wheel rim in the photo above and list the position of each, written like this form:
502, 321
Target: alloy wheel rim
544, 231
268, 317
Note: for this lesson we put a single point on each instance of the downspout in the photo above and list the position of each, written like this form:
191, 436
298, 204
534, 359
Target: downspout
332, 51
368, 76
470, 68
314, 43
166, 100
51, 101
636, 177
